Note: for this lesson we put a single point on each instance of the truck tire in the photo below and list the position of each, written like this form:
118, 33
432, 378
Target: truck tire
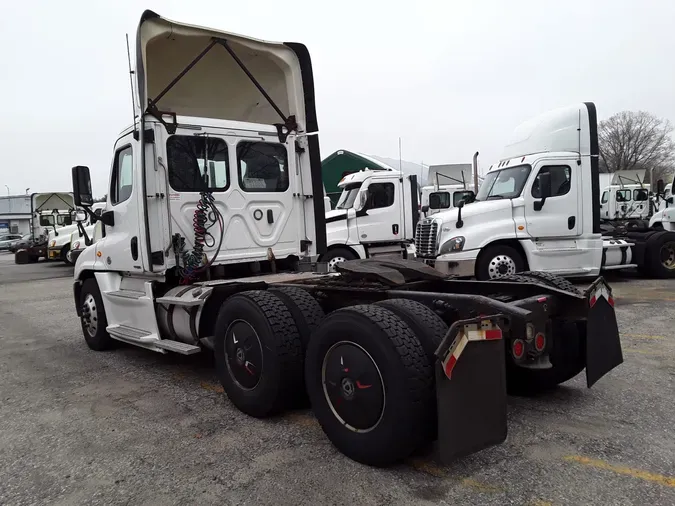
660, 255
93, 319
305, 309
336, 256
22, 257
427, 326
371, 385
567, 357
64, 254
545, 278
258, 353
498, 261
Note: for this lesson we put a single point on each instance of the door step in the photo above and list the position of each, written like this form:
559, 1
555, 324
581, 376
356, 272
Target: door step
126, 333
147, 339
177, 347
127, 294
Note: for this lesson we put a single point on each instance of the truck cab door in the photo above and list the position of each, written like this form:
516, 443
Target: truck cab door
559, 214
120, 247
604, 205
381, 218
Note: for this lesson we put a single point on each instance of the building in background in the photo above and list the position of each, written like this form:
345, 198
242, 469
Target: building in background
15, 214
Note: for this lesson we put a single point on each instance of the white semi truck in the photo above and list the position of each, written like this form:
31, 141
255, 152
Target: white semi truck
538, 210
375, 215
625, 202
213, 226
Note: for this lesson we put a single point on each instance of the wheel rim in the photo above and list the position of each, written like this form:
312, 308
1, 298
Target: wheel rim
243, 354
332, 263
667, 254
353, 386
89, 315
501, 266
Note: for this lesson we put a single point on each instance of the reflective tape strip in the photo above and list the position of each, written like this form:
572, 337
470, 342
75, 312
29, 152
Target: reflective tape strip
601, 291
487, 332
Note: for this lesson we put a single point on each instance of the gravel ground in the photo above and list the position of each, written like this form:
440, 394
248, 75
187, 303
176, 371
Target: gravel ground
134, 427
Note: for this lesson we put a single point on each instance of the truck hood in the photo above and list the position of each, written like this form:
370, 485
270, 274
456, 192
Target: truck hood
216, 86
475, 209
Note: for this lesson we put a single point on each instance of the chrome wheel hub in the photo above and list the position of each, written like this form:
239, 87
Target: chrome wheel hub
89, 315
501, 266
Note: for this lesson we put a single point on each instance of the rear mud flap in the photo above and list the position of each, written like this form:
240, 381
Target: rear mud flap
603, 345
472, 403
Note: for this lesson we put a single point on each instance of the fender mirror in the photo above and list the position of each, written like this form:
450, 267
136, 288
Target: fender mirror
425, 209
544, 179
82, 194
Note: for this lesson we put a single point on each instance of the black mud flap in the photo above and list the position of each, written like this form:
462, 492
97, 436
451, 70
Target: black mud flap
472, 402
603, 345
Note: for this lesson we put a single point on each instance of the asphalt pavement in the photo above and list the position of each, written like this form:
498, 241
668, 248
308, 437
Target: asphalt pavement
132, 427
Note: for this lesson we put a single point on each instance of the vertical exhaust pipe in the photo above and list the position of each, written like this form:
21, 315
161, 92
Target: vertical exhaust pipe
475, 172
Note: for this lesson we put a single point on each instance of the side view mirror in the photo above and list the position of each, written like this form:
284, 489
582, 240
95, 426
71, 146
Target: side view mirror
660, 187
670, 200
82, 193
425, 209
362, 201
79, 215
544, 189
46, 220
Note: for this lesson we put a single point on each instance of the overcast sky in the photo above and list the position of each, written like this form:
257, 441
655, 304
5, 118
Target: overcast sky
448, 77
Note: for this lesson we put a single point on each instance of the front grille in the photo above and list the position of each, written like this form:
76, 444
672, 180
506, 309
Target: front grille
425, 238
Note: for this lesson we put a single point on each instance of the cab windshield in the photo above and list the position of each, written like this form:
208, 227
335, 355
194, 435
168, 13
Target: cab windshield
504, 184
348, 196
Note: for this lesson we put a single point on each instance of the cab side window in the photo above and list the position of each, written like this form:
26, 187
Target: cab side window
561, 180
640, 195
623, 195
380, 195
122, 176
605, 197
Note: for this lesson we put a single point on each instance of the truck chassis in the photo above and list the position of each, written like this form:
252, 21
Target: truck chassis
387, 351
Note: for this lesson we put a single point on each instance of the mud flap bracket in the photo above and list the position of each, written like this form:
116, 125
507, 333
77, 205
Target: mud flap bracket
471, 388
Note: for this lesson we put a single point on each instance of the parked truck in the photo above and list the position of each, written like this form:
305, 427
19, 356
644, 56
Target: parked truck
50, 212
538, 209
375, 215
213, 228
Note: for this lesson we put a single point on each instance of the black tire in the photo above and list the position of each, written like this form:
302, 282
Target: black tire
270, 352
22, 257
660, 255
427, 326
93, 319
494, 259
64, 254
397, 414
544, 278
567, 357
332, 256
305, 309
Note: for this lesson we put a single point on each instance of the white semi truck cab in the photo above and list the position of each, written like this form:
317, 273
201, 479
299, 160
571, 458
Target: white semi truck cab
625, 202
375, 215
538, 209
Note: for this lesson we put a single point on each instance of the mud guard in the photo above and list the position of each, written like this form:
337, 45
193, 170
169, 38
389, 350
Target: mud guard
472, 401
603, 345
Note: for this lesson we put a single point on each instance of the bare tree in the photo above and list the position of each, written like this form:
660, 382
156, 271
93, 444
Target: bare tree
637, 141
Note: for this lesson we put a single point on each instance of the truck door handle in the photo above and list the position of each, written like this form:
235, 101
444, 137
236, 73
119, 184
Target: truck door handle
270, 216
571, 221
394, 229
134, 248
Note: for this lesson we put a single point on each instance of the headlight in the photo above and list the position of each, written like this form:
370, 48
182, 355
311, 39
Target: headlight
452, 245
76, 245
52, 244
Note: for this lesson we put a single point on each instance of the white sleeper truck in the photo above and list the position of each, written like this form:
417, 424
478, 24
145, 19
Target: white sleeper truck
210, 239
375, 215
538, 209
625, 202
